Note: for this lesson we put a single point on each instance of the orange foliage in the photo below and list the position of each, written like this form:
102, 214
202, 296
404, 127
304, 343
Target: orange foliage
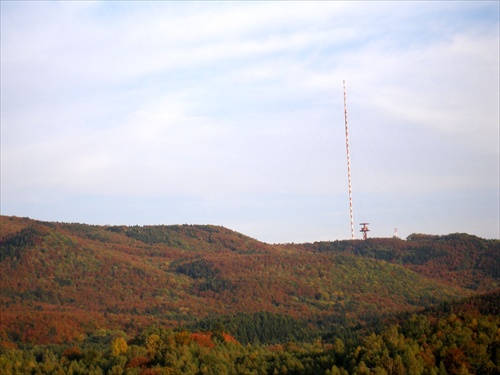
140, 361
229, 338
203, 339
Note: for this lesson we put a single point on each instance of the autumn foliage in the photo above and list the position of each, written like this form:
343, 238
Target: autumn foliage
222, 302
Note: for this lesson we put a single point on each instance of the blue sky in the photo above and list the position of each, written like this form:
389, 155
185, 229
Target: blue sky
231, 113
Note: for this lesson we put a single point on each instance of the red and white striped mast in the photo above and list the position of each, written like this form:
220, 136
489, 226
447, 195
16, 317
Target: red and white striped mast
348, 163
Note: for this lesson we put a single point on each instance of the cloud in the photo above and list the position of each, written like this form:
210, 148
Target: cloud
238, 106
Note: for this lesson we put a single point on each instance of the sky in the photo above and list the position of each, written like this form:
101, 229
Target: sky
232, 114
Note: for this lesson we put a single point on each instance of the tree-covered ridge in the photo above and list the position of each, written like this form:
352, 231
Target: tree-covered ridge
193, 237
15, 244
462, 259
435, 342
60, 280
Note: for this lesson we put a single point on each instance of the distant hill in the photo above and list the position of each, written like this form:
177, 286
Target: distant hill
458, 259
59, 280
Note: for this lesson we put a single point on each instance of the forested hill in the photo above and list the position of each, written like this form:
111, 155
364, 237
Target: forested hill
457, 258
60, 280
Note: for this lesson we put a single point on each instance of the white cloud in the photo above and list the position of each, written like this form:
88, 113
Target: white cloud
233, 102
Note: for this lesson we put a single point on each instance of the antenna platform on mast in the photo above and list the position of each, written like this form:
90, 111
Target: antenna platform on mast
364, 229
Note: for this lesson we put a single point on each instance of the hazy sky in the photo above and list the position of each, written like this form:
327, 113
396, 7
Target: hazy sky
231, 113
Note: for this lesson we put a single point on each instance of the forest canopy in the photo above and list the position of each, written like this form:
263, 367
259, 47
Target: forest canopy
199, 299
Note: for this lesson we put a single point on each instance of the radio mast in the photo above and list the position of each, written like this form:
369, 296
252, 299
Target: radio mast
348, 163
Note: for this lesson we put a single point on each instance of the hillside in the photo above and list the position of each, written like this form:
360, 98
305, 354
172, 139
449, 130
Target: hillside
59, 280
458, 259
451, 338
